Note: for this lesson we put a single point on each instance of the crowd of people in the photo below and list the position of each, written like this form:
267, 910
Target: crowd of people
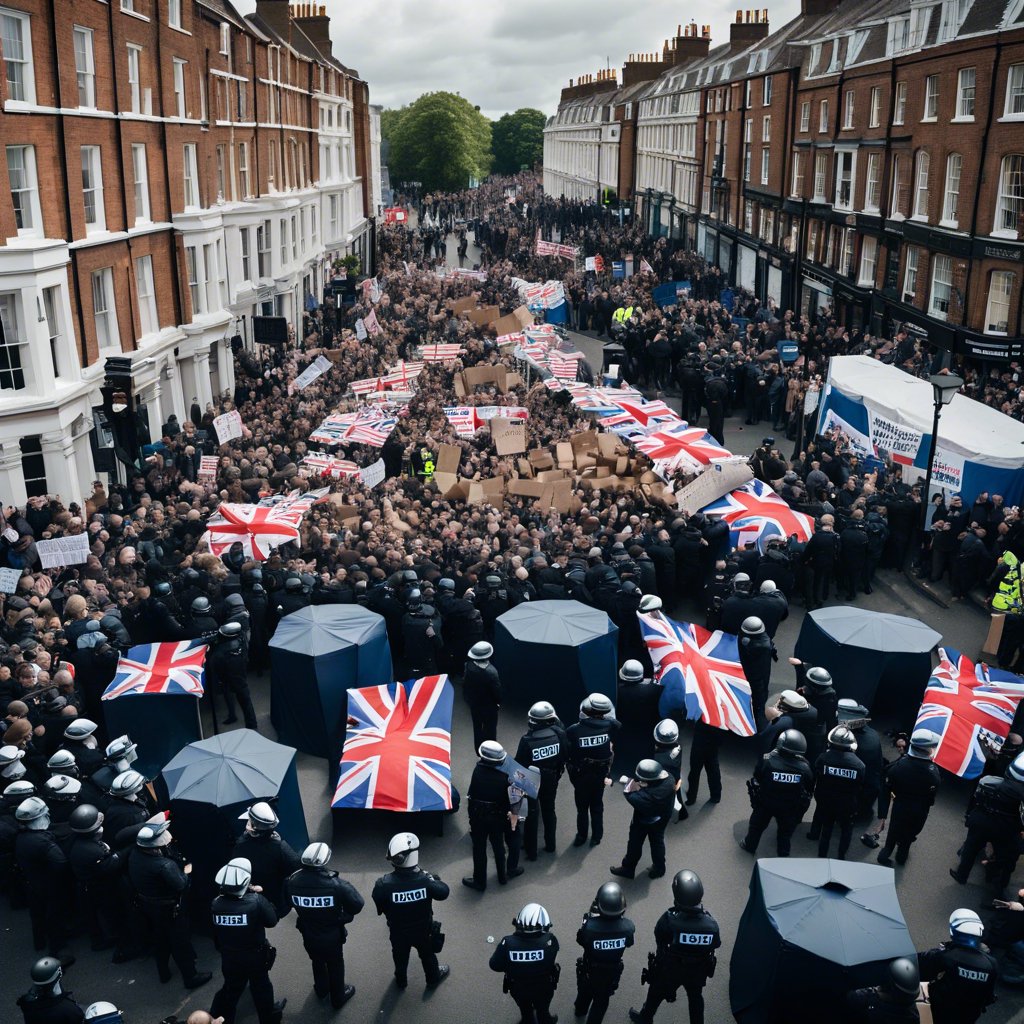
441, 572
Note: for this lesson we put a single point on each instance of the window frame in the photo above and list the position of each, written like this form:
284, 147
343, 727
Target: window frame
1006, 200
911, 268
951, 217
1012, 276
875, 107
12, 365
178, 65
190, 177
899, 104
963, 91
873, 182
1014, 93
931, 99
95, 170
85, 76
134, 51
141, 185
148, 311
868, 244
105, 276
823, 117
31, 189
934, 305
922, 170
849, 109
27, 81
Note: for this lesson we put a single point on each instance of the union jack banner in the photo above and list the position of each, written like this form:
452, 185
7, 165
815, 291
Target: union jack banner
367, 385
756, 514
564, 365
397, 753
260, 528
604, 401
159, 668
441, 353
700, 672
330, 465
681, 445
963, 703
367, 426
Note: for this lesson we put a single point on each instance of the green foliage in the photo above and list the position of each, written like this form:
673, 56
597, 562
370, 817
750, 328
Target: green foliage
441, 140
518, 140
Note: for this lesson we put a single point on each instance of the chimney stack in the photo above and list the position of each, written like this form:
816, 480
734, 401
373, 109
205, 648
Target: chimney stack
314, 22
690, 44
749, 27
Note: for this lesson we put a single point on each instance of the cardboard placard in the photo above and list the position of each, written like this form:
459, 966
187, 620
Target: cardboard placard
585, 441
561, 495
228, 426
527, 488
345, 511
484, 492
524, 469
992, 641
551, 474
372, 475
523, 315
9, 580
484, 315
715, 482
540, 458
463, 305
564, 455
63, 551
608, 445
207, 467
508, 324
446, 472
466, 380
509, 435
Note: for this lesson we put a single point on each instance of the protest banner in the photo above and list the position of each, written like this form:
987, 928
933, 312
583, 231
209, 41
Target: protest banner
63, 551
900, 442
319, 366
373, 474
207, 467
9, 580
228, 426
371, 324
360, 331
947, 471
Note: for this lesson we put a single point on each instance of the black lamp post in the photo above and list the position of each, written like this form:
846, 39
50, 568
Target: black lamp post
944, 387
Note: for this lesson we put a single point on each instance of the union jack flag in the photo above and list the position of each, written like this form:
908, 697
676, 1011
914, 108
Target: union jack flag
700, 672
441, 353
679, 444
564, 365
159, 668
328, 464
963, 703
755, 513
648, 416
260, 528
398, 753
511, 339
367, 385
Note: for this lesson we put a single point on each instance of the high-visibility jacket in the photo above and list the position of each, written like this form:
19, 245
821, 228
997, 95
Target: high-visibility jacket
1007, 596
622, 314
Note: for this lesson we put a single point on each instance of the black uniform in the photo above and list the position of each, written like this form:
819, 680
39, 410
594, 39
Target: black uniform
531, 974
47, 875
544, 747
422, 641
756, 654
122, 814
239, 929
272, 860
598, 971
782, 787
962, 981
591, 744
911, 783
994, 817
406, 897
482, 689
488, 815
704, 757
324, 904
874, 1006
99, 873
228, 665
652, 807
838, 781
40, 1006
686, 941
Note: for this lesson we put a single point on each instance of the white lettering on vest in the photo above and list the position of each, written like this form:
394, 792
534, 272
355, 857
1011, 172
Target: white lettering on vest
409, 896
313, 901
609, 943
784, 777
522, 956
593, 741
542, 753
231, 920
970, 975
841, 773
694, 939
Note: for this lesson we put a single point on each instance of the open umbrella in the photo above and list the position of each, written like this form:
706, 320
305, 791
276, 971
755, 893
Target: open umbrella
812, 930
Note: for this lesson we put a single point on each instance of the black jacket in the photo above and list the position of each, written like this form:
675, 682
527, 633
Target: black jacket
323, 902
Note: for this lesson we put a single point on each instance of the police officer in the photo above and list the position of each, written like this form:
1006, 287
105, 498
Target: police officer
869, 749
405, 896
270, 857
910, 786
62, 762
651, 793
80, 739
241, 916
838, 780
481, 687
704, 757
961, 973
687, 937
160, 882
489, 811
124, 808
201, 621
892, 1002
422, 639
781, 789
791, 711
44, 867
527, 959
605, 935
815, 683
493, 602
591, 747
119, 756
324, 904
47, 1002
61, 793
543, 747
461, 622
227, 664
756, 655
669, 755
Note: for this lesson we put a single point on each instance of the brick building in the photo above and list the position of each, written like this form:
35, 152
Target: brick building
175, 169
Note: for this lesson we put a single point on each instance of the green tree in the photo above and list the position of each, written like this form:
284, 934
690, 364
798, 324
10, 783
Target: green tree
518, 139
441, 140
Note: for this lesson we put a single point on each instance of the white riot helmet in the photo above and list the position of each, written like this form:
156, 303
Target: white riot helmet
768, 587
922, 744
81, 730
153, 835
233, 880
103, 1013
631, 672
650, 603
492, 752
541, 712
596, 705
481, 651
965, 924
127, 785
64, 788
403, 850
33, 814
122, 749
316, 855
532, 920
12, 767
261, 817
62, 762
666, 732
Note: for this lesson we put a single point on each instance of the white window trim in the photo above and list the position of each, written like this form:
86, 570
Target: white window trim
957, 117
32, 177
868, 282
180, 97
90, 65
988, 302
1008, 115
940, 259
908, 266
140, 216
927, 118
997, 231
947, 221
27, 62
96, 171
190, 177
106, 275
147, 299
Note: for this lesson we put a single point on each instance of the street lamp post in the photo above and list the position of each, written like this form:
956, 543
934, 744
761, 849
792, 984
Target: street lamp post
944, 386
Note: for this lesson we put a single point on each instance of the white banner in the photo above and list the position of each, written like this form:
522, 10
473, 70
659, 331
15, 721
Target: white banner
902, 443
318, 367
228, 426
208, 467
63, 551
947, 470
858, 442
9, 580
372, 475
360, 330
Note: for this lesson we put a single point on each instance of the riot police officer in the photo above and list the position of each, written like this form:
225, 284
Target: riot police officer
815, 683
481, 687
669, 755
756, 654
124, 808
651, 793
892, 1002
201, 621
781, 789
44, 866
527, 959
489, 811
241, 917
160, 882
62, 762
687, 937
270, 857
704, 757
47, 1002
226, 662
80, 739
838, 780
422, 639
605, 935
293, 599
61, 793
869, 749
591, 747
913, 781
961, 973
324, 904
542, 747
493, 602
405, 896
119, 756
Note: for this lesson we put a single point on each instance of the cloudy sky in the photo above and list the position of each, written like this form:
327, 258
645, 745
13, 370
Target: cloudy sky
505, 54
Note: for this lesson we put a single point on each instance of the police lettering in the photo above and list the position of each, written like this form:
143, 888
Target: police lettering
231, 920
522, 956
313, 901
841, 773
609, 944
409, 896
694, 939
969, 975
785, 777
593, 741
542, 753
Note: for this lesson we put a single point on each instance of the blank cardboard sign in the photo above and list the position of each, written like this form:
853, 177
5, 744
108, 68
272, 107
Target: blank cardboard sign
509, 436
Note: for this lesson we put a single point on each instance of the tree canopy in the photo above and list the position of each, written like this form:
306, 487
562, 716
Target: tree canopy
518, 140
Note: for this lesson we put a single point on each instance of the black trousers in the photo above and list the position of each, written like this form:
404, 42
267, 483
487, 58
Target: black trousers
545, 802
485, 723
704, 757
1005, 845
825, 818
403, 942
47, 913
327, 956
588, 790
483, 831
786, 824
595, 986
641, 832
533, 998
903, 828
169, 934
241, 969
664, 986
514, 842
236, 688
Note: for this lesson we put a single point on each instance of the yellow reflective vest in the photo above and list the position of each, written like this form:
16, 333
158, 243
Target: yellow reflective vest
1007, 596
622, 314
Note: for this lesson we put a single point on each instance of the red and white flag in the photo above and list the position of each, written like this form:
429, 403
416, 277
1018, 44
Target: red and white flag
645, 267
441, 353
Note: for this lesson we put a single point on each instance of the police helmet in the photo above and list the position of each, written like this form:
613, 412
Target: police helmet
261, 816
162, 589
650, 603
190, 575
20, 790
234, 603
1015, 770
596, 705
103, 1012
741, 583
409, 576
293, 584
904, 979
532, 920
46, 971
666, 732
819, 678
965, 926
768, 587
201, 606
610, 900
316, 855
752, 626
9, 753
791, 741
230, 630
849, 710
80, 729
86, 819
492, 582
253, 575
153, 835
687, 889
542, 711
481, 651
790, 700
403, 850
62, 762
923, 743
414, 601
233, 879
841, 738
768, 442
445, 583
62, 788
492, 752
127, 784
33, 814
631, 671
121, 749
648, 770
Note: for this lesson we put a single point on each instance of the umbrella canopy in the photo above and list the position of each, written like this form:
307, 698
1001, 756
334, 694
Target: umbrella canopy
557, 651
812, 928
316, 654
159, 723
882, 661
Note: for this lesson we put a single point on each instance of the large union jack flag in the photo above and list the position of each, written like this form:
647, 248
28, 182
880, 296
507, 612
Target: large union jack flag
159, 668
679, 445
756, 514
441, 353
963, 703
638, 418
700, 672
260, 528
398, 752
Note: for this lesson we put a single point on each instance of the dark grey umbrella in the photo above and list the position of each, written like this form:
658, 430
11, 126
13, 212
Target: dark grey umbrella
876, 631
